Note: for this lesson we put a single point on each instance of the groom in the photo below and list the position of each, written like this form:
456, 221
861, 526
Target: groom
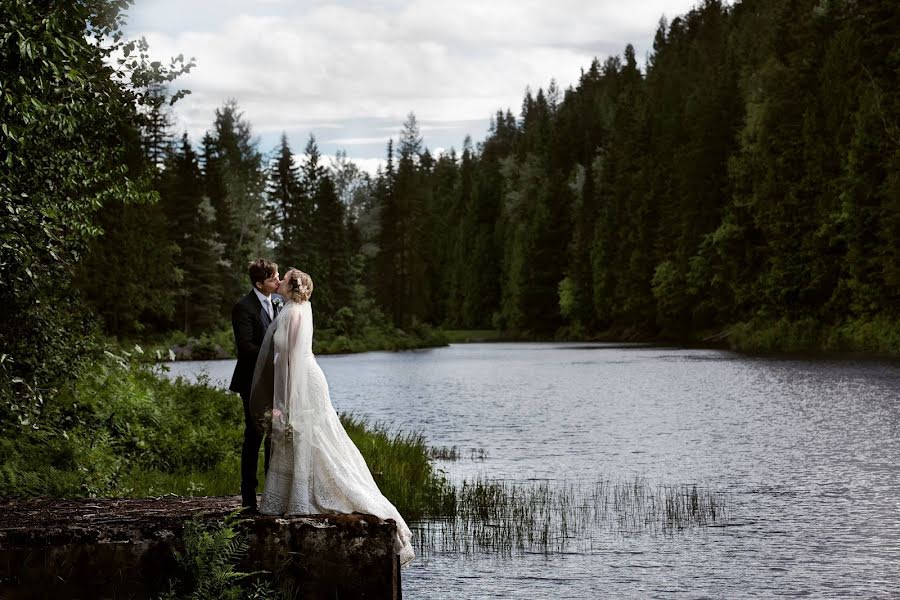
250, 318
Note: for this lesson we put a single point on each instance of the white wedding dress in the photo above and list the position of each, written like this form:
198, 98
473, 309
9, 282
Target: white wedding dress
314, 467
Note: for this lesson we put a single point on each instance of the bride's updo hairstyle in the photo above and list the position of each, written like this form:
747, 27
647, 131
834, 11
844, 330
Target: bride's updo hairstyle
300, 285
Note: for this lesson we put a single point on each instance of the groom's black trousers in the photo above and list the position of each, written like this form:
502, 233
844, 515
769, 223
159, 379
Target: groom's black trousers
253, 437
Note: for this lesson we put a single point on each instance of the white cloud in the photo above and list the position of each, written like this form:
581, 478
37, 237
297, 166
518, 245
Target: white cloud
357, 68
360, 141
370, 165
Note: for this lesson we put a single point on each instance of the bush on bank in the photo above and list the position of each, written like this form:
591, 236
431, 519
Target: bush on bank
878, 336
120, 429
219, 344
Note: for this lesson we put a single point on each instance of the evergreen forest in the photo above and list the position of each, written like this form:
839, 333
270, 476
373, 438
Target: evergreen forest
738, 186
741, 186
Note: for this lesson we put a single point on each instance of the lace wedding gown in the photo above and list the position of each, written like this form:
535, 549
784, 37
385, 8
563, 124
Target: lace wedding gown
314, 467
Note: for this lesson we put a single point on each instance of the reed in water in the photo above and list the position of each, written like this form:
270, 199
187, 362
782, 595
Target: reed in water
505, 517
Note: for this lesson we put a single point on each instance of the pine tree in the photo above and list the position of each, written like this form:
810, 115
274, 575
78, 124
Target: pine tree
386, 281
191, 226
304, 249
482, 277
402, 261
134, 251
156, 137
285, 203
333, 274
446, 238
235, 181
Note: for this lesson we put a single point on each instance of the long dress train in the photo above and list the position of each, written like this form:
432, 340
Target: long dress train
314, 466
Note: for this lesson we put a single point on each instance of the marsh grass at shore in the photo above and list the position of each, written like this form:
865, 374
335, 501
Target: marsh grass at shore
455, 453
502, 517
122, 430
401, 466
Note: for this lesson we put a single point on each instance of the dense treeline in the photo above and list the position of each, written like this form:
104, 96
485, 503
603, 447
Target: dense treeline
746, 180
71, 167
103, 210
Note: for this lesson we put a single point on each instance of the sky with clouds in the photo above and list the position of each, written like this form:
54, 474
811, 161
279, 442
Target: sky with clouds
350, 72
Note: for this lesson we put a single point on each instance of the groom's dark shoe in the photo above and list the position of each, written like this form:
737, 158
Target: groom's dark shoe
248, 500
250, 511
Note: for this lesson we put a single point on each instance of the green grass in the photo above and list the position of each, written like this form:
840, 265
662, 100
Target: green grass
401, 466
123, 430
502, 517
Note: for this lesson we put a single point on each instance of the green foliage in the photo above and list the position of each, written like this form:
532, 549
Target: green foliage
401, 467
192, 230
880, 335
207, 564
746, 176
671, 295
401, 267
66, 114
781, 336
127, 274
235, 182
122, 430
567, 300
333, 271
877, 336
291, 200
111, 429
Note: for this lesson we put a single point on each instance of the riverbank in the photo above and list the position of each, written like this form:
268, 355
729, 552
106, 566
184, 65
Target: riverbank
120, 430
875, 338
219, 344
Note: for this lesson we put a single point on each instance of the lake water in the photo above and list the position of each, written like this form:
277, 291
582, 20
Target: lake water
806, 451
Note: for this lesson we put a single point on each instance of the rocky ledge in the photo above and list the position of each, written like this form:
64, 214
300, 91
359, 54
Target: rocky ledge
124, 548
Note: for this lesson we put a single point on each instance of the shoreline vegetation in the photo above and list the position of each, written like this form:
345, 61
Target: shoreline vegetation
123, 430
219, 344
877, 338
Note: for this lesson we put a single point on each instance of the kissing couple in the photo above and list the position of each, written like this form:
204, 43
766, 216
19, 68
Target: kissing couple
312, 466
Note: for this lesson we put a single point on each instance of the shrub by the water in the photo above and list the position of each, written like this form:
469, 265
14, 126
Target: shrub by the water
880, 335
403, 470
121, 429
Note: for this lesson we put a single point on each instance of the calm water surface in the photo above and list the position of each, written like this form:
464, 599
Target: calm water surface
808, 452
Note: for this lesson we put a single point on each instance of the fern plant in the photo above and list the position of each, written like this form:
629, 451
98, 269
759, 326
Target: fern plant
208, 562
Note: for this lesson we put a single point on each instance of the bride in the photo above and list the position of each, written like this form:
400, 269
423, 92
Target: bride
314, 466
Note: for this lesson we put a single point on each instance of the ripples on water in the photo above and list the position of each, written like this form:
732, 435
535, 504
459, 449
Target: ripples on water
806, 450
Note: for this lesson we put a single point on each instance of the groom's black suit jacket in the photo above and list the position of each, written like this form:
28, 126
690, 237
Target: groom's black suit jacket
250, 321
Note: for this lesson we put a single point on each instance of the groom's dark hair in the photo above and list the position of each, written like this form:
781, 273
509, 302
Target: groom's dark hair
260, 269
